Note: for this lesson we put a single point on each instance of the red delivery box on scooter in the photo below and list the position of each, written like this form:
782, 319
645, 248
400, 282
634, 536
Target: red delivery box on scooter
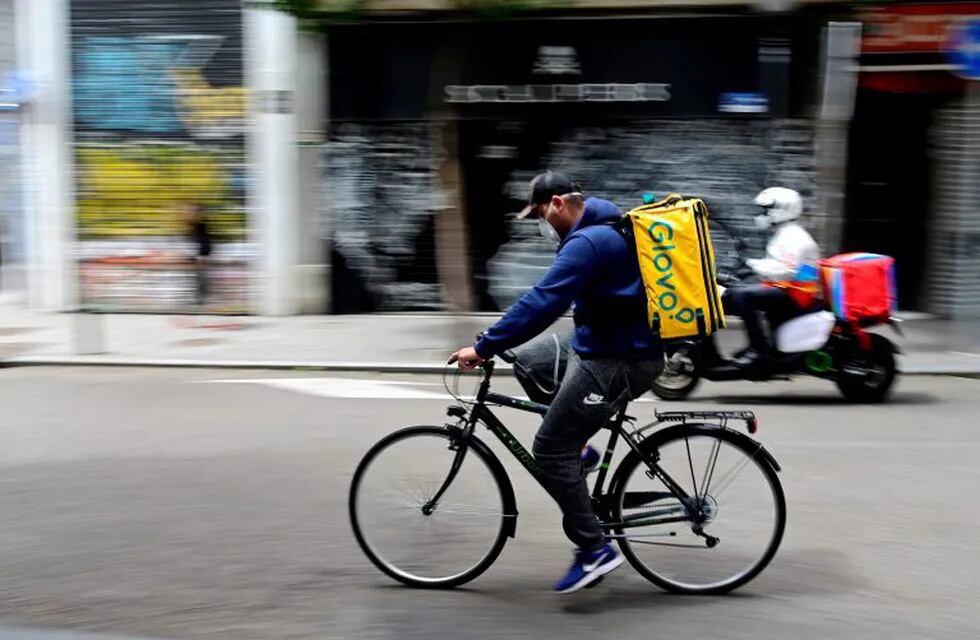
860, 286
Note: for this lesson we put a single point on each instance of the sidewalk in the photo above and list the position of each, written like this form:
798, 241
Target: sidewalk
382, 342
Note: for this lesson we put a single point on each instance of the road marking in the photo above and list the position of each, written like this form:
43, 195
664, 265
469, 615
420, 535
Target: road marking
345, 388
355, 388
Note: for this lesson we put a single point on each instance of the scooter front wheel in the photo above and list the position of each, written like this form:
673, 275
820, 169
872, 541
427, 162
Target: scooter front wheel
681, 374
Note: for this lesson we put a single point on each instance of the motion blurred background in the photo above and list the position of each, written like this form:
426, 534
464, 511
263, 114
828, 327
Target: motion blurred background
360, 156
312, 202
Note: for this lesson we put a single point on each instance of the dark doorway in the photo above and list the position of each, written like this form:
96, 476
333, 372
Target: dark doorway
888, 184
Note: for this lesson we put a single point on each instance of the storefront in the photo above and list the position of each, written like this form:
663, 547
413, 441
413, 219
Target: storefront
910, 190
159, 122
13, 94
719, 106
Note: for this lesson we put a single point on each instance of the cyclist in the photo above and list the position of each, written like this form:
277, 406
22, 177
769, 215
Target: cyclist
619, 357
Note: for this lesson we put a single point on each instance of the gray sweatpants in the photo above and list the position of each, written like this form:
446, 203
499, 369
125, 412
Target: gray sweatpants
592, 391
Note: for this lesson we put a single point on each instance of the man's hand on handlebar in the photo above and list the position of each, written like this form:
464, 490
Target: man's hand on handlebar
467, 357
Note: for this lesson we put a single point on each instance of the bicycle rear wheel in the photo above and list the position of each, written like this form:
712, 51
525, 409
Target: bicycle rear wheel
451, 544
723, 535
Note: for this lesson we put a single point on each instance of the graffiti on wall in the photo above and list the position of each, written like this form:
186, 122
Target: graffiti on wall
136, 189
154, 85
159, 115
382, 196
382, 201
726, 161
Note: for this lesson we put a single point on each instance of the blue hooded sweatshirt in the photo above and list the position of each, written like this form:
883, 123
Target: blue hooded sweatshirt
596, 269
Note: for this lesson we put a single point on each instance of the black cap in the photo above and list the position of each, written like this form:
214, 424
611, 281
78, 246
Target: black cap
544, 186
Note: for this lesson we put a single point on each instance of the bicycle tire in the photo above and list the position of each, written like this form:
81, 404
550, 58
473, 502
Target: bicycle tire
739, 441
475, 447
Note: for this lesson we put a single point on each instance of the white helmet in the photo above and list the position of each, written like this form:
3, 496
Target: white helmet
781, 205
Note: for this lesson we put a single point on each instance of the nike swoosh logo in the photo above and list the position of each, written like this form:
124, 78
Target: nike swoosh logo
590, 567
592, 401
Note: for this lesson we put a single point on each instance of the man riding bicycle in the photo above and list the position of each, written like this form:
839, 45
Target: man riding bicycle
596, 269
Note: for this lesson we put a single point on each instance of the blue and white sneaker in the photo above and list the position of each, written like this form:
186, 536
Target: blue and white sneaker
588, 567
590, 460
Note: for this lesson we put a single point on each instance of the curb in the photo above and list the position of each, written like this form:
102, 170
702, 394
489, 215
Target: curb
366, 367
362, 367
967, 372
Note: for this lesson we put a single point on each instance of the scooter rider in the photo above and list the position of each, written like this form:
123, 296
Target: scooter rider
790, 247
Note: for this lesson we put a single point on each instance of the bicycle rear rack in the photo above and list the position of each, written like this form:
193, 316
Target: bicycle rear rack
722, 417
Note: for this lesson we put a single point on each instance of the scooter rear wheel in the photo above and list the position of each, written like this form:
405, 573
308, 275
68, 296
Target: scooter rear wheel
869, 378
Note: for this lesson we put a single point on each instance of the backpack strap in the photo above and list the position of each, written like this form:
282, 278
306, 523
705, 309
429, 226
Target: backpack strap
623, 226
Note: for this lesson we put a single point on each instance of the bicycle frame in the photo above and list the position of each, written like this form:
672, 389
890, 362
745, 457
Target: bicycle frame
481, 413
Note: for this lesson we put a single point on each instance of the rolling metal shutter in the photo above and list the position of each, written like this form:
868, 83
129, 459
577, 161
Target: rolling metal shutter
159, 116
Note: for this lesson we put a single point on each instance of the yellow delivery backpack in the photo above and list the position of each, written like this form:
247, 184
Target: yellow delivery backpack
677, 263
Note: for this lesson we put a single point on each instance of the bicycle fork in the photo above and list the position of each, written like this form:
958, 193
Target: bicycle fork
460, 446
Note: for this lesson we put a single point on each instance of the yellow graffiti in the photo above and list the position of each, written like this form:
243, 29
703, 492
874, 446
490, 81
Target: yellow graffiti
204, 107
138, 190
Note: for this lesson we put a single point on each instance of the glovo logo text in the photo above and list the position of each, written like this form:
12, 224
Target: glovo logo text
662, 234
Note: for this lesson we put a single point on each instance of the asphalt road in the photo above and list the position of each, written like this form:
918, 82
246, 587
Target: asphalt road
212, 504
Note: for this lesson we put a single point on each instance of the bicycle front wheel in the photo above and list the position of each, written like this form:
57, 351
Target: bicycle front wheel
409, 539
727, 529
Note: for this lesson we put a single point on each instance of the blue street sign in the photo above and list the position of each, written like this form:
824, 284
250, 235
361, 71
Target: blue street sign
743, 103
964, 49
15, 90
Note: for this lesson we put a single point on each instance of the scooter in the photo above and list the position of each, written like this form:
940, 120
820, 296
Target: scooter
817, 344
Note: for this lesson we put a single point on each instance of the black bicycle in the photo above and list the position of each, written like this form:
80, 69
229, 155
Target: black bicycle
695, 505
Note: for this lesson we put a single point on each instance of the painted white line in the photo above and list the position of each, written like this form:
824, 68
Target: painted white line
363, 367
345, 388
969, 354
356, 388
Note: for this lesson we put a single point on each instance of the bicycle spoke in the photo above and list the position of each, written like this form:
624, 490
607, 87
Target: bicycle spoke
741, 534
730, 476
709, 470
451, 506
402, 498
408, 507
451, 544
690, 464
413, 493
471, 512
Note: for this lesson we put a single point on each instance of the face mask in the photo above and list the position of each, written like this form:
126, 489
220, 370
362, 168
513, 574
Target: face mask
763, 221
547, 231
